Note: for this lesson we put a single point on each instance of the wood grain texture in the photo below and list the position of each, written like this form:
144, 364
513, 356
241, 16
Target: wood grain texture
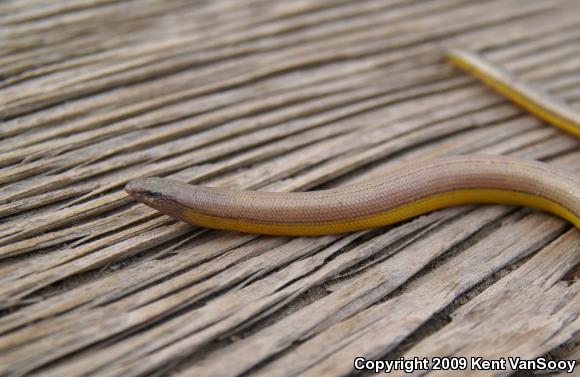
283, 96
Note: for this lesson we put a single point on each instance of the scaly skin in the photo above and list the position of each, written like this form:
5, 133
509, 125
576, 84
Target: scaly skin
542, 105
403, 193
406, 192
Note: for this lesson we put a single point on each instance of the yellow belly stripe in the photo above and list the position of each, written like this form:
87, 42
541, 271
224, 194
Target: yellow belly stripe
404, 212
520, 99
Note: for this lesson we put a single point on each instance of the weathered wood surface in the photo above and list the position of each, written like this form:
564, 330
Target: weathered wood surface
289, 95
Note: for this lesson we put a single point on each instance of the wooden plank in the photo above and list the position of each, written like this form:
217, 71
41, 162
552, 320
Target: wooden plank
283, 96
